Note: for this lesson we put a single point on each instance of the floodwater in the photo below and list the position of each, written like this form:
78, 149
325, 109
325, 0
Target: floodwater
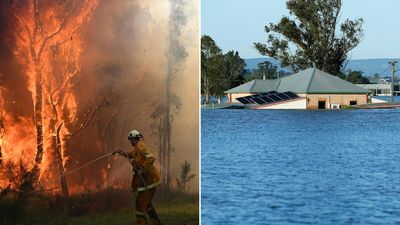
300, 167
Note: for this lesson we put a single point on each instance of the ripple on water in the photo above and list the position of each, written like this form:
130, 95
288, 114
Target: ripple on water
300, 167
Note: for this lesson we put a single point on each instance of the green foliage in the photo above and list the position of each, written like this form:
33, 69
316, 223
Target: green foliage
219, 71
169, 213
356, 77
233, 67
347, 107
211, 61
266, 69
311, 37
185, 177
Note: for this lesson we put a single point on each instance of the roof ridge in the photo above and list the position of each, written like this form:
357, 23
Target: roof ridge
311, 78
254, 83
279, 83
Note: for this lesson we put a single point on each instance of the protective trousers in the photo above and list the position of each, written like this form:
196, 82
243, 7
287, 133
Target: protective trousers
144, 205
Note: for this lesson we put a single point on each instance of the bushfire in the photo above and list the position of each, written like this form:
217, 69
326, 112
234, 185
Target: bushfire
47, 43
77, 75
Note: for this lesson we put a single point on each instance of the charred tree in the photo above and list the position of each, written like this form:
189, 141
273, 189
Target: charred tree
60, 165
59, 85
38, 39
2, 127
45, 26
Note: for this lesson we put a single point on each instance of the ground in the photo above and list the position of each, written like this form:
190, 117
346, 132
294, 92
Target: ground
107, 207
187, 214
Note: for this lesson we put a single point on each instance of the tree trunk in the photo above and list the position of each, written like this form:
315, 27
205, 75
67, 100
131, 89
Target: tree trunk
167, 138
207, 90
1, 138
38, 123
63, 180
163, 148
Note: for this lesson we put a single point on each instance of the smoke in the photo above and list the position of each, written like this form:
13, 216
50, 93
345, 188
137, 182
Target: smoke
123, 71
125, 58
181, 58
123, 64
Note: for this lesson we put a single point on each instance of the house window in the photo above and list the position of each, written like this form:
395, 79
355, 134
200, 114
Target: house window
321, 104
353, 102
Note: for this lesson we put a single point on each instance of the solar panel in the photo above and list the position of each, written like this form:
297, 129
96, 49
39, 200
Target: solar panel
274, 97
282, 96
291, 94
243, 100
250, 99
259, 100
266, 99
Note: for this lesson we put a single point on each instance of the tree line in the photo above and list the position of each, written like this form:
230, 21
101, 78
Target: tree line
219, 72
310, 36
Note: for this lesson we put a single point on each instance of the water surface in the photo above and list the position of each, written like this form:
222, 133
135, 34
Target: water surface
300, 166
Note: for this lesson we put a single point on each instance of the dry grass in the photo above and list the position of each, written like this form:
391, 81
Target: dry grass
110, 206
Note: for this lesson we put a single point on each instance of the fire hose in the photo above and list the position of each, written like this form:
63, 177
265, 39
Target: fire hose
87, 164
137, 173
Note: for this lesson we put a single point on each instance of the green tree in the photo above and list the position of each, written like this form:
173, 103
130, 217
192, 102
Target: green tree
310, 37
266, 69
356, 77
211, 71
233, 70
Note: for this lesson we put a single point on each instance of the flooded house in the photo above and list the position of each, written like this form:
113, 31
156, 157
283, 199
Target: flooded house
307, 89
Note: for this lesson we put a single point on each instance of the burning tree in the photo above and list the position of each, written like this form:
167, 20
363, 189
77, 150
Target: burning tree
2, 112
49, 44
2, 128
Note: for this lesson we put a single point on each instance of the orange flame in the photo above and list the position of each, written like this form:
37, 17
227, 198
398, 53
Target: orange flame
48, 41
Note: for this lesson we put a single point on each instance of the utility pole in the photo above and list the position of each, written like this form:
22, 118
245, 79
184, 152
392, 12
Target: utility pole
393, 63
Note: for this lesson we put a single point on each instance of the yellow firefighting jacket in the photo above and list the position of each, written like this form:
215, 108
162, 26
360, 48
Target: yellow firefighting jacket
143, 160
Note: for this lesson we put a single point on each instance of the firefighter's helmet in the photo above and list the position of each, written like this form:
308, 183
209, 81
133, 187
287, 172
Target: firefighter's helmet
134, 134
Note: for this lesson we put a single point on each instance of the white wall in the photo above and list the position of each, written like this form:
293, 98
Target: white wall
300, 103
375, 100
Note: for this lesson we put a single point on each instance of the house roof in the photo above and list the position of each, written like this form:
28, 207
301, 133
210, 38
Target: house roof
309, 81
375, 86
256, 86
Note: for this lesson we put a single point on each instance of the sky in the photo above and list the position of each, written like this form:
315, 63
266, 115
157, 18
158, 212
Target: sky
237, 24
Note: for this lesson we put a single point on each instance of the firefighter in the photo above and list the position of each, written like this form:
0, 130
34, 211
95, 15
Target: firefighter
145, 178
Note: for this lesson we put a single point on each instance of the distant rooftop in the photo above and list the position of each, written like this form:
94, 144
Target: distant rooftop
374, 86
308, 81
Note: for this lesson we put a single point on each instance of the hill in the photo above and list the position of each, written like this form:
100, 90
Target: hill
368, 66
